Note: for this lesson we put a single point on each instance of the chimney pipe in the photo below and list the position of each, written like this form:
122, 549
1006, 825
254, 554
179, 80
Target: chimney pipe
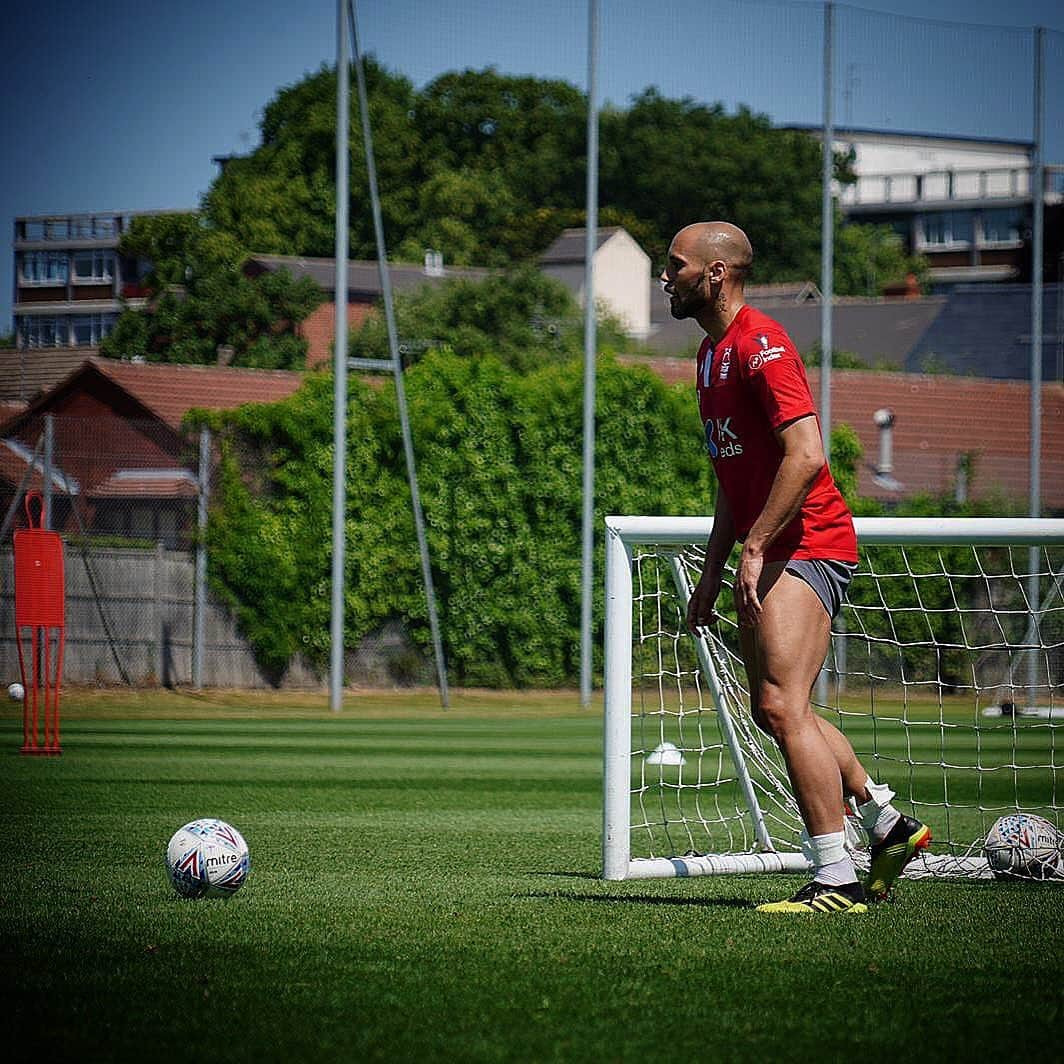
884, 420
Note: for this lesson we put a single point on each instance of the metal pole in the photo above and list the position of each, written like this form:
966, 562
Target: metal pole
590, 352
336, 622
827, 233
397, 365
199, 594
1037, 237
46, 480
827, 263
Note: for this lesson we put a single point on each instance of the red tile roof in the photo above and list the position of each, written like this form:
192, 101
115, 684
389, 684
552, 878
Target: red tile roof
169, 391
938, 419
24, 374
146, 483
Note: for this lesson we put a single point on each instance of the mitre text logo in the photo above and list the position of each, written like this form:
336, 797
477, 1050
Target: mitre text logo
721, 438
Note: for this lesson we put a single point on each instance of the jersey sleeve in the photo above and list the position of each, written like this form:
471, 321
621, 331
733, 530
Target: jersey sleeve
773, 370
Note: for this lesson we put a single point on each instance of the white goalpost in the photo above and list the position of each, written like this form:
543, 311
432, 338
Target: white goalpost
946, 672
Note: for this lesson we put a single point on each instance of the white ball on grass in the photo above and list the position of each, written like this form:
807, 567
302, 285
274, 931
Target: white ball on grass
207, 859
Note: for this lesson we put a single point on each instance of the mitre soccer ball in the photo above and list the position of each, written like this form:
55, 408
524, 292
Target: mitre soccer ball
207, 859
1022, 844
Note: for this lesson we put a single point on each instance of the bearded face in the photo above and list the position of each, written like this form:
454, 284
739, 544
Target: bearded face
687, 294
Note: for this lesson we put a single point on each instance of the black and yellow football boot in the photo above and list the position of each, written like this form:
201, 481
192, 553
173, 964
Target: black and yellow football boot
820, 898
900, 845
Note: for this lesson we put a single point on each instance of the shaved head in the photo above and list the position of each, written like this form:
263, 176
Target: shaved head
705, 273
710, 241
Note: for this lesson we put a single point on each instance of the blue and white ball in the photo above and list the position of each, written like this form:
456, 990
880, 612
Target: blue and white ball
207, 859
1023, 845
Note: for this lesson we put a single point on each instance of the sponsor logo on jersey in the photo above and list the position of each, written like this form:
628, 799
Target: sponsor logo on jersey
721, 438
766, 354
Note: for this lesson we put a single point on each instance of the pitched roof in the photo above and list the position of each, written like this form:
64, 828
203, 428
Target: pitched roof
937, 420
25, 373
571, 246
986, 330
782, 292
880, 331
363, 277
169, 391
877, 330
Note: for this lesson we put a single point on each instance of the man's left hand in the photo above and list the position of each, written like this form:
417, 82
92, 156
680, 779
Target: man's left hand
746, 579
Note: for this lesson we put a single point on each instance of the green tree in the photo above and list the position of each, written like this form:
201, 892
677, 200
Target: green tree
523, 317
869, 257
499, 460
282, 197
672, 162
200, 299
489, 168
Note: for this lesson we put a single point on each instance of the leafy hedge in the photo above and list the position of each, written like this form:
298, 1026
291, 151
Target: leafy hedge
499, 468
499, 456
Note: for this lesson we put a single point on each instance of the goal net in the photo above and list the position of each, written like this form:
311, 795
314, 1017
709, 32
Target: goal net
946, 673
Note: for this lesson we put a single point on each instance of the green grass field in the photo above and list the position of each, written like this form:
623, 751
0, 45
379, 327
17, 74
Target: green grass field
425, 887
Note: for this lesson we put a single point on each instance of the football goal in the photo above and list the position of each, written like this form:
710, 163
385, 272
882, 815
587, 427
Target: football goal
946, 672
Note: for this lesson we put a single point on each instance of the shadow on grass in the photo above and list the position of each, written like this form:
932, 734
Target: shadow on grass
638, 899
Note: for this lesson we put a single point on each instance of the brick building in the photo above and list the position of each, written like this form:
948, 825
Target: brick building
119, 448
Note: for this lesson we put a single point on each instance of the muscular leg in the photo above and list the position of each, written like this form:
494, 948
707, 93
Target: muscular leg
852, 771
783, 656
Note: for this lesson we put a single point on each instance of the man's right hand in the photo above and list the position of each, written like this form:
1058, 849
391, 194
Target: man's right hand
700, 609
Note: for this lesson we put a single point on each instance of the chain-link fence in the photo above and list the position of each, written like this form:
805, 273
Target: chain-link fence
948, 134
125, 494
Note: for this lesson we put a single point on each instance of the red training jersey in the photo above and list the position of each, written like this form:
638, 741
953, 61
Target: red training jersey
749, 384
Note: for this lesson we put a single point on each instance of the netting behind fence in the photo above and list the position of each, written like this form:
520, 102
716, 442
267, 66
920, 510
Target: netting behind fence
124, 494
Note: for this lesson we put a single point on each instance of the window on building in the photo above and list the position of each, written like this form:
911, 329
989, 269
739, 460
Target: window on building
97, 265
1002, 226
947, 229
90, 329
44, 267
43, 332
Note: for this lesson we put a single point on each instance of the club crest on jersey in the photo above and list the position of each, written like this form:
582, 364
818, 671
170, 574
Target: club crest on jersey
721, 439
766, 354
725, 363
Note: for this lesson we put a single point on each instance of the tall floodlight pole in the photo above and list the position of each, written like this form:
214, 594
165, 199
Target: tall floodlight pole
827, 262
1037, 235
590, 352
336, 662
827, 232
396, 361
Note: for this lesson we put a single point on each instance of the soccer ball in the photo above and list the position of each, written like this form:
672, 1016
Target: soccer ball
207, 859
16, 692
1022, 844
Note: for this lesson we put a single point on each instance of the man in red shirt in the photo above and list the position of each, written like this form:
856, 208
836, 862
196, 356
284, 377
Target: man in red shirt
777, 497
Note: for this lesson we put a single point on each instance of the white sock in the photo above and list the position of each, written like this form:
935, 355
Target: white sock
877, 815
832, 864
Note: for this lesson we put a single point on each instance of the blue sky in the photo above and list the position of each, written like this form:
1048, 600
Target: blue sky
119, 106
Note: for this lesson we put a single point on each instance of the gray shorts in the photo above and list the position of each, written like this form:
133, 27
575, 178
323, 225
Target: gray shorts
829, 579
